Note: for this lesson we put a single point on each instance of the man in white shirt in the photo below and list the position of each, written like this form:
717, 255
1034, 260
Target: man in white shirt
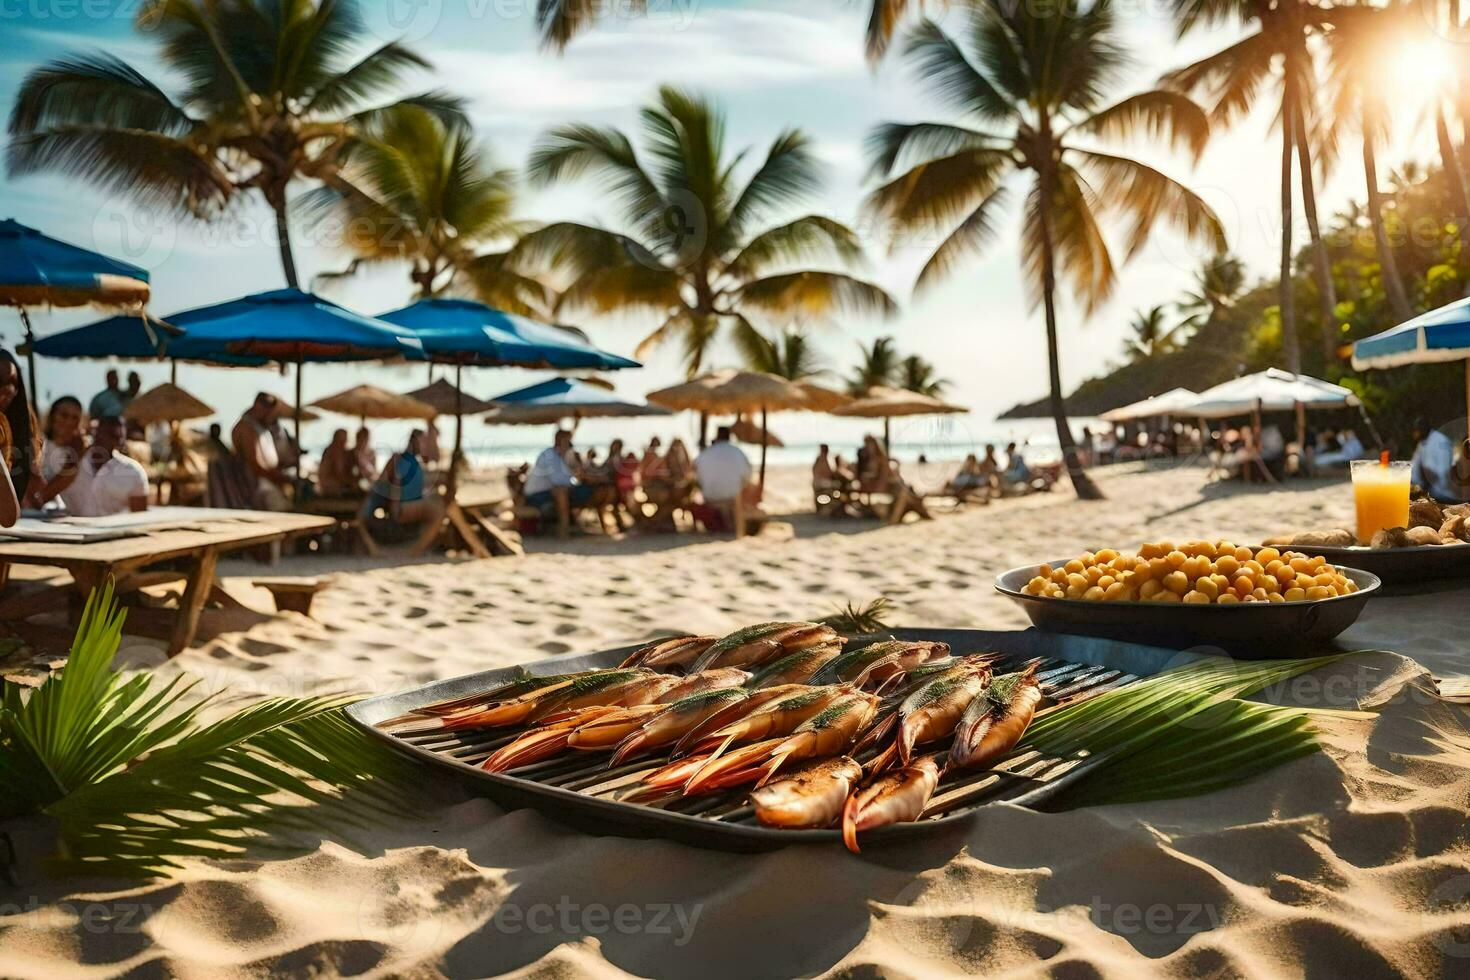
724, 482
1434, 463
107, 482
552, 484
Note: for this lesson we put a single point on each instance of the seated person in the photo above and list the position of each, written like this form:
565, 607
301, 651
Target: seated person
1016, 471
829, 483
364, 458
61, 452
402, 497
552, 484
724, 482
335, 476
879, 474
968, 479
107, 482
255, 448
1434, 466
1345, 449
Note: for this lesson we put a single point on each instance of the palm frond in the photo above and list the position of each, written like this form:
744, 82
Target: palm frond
135, 782
570, 152
796, 296
811, 237
491, 279
860, 619
939, 190
623, 287
1160, 115
380, 69
1144, 195
941, 64
561, 20
894, 145
97, 90
1081, 251
787, 175
969, 238
573, 248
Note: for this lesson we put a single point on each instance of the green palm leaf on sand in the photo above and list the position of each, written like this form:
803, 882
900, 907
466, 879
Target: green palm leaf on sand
1179, 733
135, 781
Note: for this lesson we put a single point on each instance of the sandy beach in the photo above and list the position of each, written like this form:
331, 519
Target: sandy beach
1354, 862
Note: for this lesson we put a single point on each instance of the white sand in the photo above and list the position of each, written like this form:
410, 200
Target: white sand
1352, 863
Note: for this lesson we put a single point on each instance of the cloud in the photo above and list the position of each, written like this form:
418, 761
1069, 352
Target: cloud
616, 66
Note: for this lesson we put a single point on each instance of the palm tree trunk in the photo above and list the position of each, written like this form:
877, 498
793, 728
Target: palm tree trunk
1081, 482
1290, 347
283, 239
1321, 268
1398, 300
1454, 175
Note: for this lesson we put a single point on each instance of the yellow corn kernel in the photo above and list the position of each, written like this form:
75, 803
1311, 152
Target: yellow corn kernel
1253, 566
1295, 595
1093, 594
1267, 555
1228, 599
1150, 588
1275, 597
1044, 571
1105, 555
1227, 565
1319, 592
1077, 581
1260, 593
1206, 587
1074, 567
1115, 592
1176, 582
1167, 596
1196, 597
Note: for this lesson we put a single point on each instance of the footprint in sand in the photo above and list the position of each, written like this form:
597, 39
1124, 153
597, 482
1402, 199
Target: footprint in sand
552, 646
417, 612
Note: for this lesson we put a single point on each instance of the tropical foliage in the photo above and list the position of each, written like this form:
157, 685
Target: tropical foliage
135, 781
269, 91
789, 355
1150, 334
1033, 89
416, 188
700, 250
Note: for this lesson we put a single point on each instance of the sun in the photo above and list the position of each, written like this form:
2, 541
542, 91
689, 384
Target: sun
1417, 72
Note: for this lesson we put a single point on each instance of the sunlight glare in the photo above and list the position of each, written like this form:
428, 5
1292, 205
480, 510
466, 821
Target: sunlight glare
1417, 72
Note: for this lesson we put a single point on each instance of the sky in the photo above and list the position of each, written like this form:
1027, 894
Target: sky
771, 65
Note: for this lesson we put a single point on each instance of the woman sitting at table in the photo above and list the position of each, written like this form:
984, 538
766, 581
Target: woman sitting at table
17, 439
400, 499
60, 453
880, 475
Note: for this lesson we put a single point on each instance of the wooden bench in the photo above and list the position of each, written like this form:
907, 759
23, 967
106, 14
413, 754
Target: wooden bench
292, 594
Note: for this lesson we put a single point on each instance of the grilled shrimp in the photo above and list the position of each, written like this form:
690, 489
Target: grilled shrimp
830, 731
794, 668
932, 711
895, 797
878, 662
781, 716
993, 724
665, 655
597, 687
757, 645
809, 796
678, 720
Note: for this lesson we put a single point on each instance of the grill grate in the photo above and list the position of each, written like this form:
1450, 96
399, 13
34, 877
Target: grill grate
583, 780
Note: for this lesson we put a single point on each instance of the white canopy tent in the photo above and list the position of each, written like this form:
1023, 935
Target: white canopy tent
1169, 403
1271, 390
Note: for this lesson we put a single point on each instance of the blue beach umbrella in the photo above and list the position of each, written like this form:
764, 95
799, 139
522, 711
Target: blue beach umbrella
1430, 338
287, 326
37, 270
465, 333
563, 398
471, 334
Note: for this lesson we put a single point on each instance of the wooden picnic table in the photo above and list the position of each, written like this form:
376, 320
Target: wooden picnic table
196, 541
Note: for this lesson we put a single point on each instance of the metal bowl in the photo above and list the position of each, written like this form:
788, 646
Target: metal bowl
1248, 631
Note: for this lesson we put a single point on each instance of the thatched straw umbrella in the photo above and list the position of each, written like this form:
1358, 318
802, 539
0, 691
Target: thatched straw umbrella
448, 399
735, 393
882, 402
288, 411
370, 402
166, 403
820, 399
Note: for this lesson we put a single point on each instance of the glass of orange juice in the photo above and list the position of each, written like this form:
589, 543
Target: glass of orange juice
1381, 491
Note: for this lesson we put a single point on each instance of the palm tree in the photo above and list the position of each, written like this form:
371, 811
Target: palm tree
1042, 85
1233, 77
789, 355
269, 94
1151, 335
879, 365
416, 188
917, 374
1357, 43
1218, 283
699, 251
